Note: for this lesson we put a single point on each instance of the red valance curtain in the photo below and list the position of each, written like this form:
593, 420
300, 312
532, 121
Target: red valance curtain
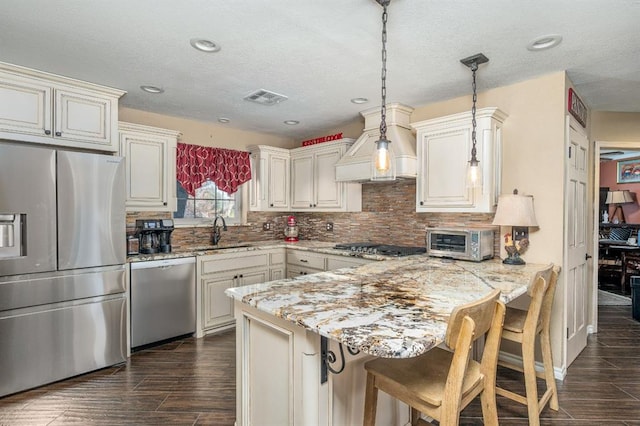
227, 168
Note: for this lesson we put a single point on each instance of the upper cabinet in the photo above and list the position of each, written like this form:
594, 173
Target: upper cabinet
301, 179
313, 179
150, 158
444, 149
269, 186
45, 108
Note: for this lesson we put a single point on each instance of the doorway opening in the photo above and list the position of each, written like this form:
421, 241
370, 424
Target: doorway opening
617, 222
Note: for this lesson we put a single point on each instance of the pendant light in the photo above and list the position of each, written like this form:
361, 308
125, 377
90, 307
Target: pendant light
383, 164
474, 172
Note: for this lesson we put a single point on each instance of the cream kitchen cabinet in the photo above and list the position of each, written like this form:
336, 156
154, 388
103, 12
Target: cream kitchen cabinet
337, 262
303, 262
313, 179
49, 109
218, 272
270, 183
150, 155
444, 149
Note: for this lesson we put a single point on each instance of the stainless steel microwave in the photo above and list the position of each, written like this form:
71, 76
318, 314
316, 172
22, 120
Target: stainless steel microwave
458, 243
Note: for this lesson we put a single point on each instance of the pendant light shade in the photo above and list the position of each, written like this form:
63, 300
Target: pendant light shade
383, 162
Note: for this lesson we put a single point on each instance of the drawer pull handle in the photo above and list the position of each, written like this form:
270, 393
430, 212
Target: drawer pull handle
304, 260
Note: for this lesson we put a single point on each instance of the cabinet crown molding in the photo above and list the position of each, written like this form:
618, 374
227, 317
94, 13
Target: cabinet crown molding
20, 71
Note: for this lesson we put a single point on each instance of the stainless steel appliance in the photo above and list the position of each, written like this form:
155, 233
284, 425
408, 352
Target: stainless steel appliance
154, 235
475, 244
381, 249
163, 300
62, 264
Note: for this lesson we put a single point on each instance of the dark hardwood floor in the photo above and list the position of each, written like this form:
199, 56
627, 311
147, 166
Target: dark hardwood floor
192, 382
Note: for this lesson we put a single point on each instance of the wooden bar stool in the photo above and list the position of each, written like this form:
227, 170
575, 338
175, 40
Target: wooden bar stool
522, 327
441, 383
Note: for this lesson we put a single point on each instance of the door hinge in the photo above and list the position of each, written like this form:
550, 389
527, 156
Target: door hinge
567, 332
569, 152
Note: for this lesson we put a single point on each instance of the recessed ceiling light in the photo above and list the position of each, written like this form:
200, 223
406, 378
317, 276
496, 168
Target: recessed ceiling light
359, 100
545, 42
291, 122
152, 89
204, 45
224, 120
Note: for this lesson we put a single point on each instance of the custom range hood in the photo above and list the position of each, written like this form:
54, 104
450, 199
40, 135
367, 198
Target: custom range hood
355, 165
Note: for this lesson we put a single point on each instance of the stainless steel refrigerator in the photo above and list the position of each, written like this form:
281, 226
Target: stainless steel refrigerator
62, 264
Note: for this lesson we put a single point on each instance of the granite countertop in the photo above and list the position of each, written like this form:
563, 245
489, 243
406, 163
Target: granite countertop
395, 309
315, 246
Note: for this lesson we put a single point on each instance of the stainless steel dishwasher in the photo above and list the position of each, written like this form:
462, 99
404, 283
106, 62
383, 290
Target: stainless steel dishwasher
163, 300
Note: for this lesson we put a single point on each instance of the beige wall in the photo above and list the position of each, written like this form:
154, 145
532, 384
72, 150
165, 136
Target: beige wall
202, 133
615, 126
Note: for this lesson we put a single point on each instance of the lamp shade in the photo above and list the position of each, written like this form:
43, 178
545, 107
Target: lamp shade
515, 210
619, 197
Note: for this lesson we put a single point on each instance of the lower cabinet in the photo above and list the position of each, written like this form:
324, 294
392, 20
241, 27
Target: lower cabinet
218, 308
303, 262
218, 272
337, 262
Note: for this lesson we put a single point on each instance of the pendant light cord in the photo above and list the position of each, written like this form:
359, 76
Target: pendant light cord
383, 109
474, 68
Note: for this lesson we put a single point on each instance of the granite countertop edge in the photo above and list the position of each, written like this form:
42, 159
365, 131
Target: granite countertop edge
313, 246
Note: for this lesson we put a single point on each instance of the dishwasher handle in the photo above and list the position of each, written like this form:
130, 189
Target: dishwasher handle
163, 263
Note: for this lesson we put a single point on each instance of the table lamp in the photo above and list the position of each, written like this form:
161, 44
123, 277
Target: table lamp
618, 198
516, 211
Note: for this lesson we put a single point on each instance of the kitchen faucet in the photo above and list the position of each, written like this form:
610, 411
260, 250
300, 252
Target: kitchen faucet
215, 238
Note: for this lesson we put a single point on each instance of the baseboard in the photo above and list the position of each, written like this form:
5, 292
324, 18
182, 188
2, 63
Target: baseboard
558, 373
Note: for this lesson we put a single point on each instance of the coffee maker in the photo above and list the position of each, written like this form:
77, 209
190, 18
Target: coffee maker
154, 235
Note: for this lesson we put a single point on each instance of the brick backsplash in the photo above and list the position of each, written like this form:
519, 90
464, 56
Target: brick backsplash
388, 216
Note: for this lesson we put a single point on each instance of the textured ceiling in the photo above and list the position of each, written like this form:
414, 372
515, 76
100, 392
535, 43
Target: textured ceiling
322, 53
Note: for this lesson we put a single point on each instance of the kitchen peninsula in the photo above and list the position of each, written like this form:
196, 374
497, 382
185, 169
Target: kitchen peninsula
395, 308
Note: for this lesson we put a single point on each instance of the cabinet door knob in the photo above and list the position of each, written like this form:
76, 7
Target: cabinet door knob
165, 203
310, 205
47, 132
235, 277
270, 205
58, 133
587, 256
422, 203
241, 276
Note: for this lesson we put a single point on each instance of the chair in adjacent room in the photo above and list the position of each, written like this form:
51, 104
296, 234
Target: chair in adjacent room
441, 383
523, 327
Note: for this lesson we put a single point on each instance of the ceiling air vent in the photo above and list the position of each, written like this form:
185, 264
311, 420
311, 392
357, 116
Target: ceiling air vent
265, 97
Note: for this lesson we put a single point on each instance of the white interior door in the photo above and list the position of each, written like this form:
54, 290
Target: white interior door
576, 277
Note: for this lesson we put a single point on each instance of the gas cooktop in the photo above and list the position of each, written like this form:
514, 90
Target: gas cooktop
381, 249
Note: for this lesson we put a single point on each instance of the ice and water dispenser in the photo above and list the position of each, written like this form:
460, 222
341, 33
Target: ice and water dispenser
11, 235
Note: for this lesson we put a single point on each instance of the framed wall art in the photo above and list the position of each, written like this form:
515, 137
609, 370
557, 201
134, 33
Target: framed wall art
629, 171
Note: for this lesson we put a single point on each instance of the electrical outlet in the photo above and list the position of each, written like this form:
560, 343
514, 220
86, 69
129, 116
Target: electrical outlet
329, 226
520, 233
266, 226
